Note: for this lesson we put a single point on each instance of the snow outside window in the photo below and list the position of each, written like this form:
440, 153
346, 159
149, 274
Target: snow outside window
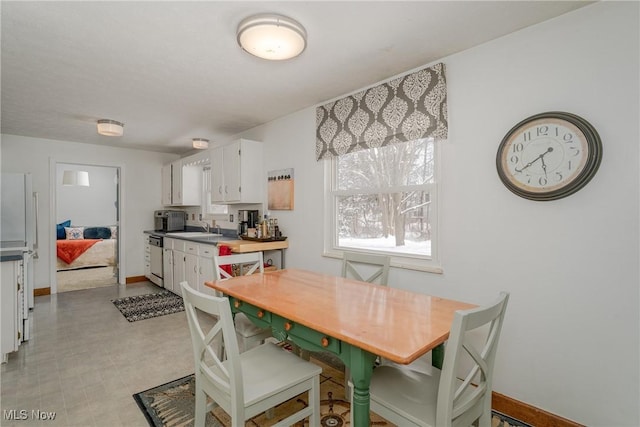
383, 200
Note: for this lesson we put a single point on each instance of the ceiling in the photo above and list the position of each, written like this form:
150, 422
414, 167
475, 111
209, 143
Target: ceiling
172, 71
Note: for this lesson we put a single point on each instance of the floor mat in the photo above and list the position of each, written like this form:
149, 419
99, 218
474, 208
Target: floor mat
140, 307
172, 404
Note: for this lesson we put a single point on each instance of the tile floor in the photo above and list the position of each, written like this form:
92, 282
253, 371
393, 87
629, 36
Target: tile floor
84, 360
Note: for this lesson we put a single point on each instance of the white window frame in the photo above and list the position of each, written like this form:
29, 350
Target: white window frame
331, 249
210, 210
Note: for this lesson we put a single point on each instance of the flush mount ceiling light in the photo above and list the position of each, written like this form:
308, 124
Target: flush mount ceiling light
76, 178
110, 127
271, 36
200, 143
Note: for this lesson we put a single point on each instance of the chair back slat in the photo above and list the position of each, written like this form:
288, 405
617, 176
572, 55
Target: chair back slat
354, 264
460, 403
215, 352
253, 259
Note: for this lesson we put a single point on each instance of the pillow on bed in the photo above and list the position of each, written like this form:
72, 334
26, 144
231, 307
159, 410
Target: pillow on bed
60, 233
97, 233
74, 233
114, 231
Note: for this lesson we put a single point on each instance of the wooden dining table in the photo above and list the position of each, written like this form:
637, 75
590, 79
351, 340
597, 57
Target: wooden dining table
357, 321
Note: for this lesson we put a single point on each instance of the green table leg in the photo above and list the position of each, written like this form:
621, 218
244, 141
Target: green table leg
437, 356
361, 366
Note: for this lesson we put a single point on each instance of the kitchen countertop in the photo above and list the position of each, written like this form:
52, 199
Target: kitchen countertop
213, 240
228, 238
11, 256
12, 250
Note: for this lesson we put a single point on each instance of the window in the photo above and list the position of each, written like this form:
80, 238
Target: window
384, 200
209, 209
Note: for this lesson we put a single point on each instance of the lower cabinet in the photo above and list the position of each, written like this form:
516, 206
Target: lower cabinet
205, 267
191, 268
190, 262
178, 266
11, 312
147, 257
167, 267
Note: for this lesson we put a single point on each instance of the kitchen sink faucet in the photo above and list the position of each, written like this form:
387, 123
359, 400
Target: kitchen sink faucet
205, 225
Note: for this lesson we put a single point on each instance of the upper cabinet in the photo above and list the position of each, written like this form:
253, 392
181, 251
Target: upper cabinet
166, 184
236, 173
182, 181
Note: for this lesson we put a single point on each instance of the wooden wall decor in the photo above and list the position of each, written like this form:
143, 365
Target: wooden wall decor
280, 189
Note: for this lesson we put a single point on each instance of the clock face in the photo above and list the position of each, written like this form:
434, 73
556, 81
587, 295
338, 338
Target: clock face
549, 156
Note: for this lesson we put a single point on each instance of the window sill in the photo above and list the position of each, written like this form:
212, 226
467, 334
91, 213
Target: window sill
400, 262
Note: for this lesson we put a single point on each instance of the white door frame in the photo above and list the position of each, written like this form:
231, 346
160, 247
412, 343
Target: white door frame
53, 209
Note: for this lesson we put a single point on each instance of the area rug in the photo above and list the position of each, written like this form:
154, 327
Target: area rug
140, 307
172, 404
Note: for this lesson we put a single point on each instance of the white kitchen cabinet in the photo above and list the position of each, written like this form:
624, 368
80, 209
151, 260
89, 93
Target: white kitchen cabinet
12, 307
176, 182
167, 264
182, 183
190, 261
191, 264
166, 184
236, 173
178, 265
205, 267
147, 257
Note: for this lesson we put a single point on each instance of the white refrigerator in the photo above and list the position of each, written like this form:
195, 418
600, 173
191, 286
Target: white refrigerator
18, 223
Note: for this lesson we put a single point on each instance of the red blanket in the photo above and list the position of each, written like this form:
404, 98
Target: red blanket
69, 250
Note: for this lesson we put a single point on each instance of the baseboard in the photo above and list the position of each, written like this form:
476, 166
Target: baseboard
38, 292
527, 413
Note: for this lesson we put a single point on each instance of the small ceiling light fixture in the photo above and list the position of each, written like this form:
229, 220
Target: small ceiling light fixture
110, 127
271, 36
200, 143
75, 178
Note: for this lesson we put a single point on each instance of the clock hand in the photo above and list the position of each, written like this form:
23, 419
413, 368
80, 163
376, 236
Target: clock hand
550, 149
529, 164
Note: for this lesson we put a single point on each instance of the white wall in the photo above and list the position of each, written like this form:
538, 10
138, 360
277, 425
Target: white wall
570, 344
141, 180
91, 206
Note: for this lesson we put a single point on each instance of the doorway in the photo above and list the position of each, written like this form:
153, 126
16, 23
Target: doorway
87, 226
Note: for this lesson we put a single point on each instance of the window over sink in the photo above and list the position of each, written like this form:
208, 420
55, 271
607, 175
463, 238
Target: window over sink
211, 210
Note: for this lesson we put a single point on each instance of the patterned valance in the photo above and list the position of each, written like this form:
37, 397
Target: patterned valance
403, 109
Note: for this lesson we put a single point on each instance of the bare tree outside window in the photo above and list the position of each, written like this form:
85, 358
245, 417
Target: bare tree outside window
383, 198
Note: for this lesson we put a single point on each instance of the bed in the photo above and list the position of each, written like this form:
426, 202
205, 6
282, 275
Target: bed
84, 247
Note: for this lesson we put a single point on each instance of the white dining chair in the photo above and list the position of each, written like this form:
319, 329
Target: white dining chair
244, 384
248, 263
366, 268
409, 398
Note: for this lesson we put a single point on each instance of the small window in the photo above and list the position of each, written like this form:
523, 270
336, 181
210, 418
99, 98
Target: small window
383, 200
210, 210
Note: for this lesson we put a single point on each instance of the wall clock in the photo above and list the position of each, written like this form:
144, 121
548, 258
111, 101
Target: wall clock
549, 156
